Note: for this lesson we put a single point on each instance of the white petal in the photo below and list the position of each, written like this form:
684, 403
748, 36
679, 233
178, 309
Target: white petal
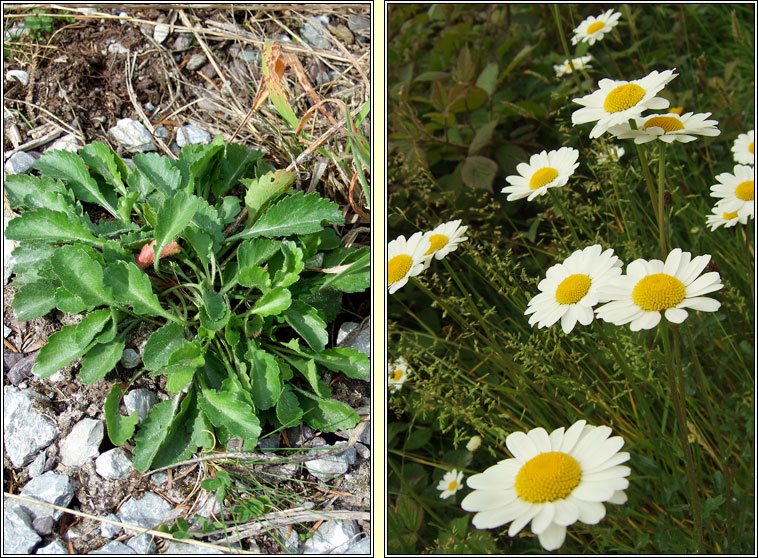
521, 446
676, 315
552, 538
544, 518
672, 262
619, 497
590, 512
521, 521
556, 438
540, 438
485, 500
647, 321
572, 435
702, 303
592, 491
566, 512
621, 457
704, 284
602, 452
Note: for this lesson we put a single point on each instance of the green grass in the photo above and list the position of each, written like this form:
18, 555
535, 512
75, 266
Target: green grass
472, 93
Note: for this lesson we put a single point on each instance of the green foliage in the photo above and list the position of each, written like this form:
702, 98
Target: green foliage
228, 311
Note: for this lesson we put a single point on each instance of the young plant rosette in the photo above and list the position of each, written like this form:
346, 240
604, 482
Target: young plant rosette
652, 287
450, 483
615, 102
406, 259
594, 28
544, 170
553, 480
573, 288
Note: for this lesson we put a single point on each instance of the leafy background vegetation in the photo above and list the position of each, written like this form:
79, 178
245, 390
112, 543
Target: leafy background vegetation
472, 93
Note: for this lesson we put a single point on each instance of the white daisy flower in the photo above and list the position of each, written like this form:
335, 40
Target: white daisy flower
552, 480
398, 372
450, 483
744, 148
594, 28
474, 444
616, 152
667, 127
405, 259
544, 170
736, 190
565, 68
618, 101
444, 239
571, 289
728, 219
652, 287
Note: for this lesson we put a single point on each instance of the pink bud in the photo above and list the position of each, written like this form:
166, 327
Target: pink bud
147, 254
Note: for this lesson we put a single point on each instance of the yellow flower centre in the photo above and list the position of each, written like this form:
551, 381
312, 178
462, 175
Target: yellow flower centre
745, 190
437, 241
597, 26
729, 216
668, 123
623, 97
658, 292
396, 375
751, 147
398, 267
676, 110
572, 289
548, 477
541, 177
452, 485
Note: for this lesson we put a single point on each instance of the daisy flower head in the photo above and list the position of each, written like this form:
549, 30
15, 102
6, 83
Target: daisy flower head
405, 259
444, 239
650, 288
616, 152
544, 170
570, 290
450, 483
728, 219
667, 127
594, 28
474, 444
736, 190
565, 68
553, 480
744, 148
618, 101
398, 372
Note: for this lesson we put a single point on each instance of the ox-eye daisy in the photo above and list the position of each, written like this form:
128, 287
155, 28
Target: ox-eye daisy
565, 68
552, 480
618, 101
405, 259
728, 219
736, 190
450, 483
571, 289
544, 170
444, 239
667, 127
744, 148
615, 152
398, 372
594, 28
652, 287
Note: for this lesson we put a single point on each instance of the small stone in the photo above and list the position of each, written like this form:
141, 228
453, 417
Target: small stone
196, 61
207, 504
342, 33
147, 512
82, 443
183, 42
299, 435
43, 525
108, 530
160, 33
114, 464
358, 23
189, 549
140, 400
69, 142
332, 537
142, 544
208, 71
113, 547
132, 136
18, 75
327, 468
19, 163
122, 15
363, 546
117, 48
312, 34
22, 369
149, 107
25, 431
191, 134
55, 547
250, 56
51, 488
37, 466
269, 444
362, 451
18, 535
159, 478
130, 358
6, 330
161, 132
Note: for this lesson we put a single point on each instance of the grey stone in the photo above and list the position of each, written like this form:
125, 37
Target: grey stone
362, 451
161, 132
51, 488
82, 443
22, 369
159, 478
196, 62
19, 163
333, 537
361, 340
189, 549
149, 107
25, 431
18, 75
298, 435
43, 525
140, 400
130, 358
132, 136
358, 23
314, 35
251, 56
269, 444
289, 544
114, 464
6, 331
328, 467
117, 48
363, 546
114, 547
142, 544
37, 466
183, 42
191, 134
148, 512
69, 142
107, 530
207, 504
55, 547
160, 33
18, 535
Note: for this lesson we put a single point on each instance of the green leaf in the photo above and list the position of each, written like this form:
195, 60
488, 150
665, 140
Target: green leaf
157, 172
267, 384
354, 273
214, 313
230, 208
418, 439
478, 172
327, 415
162, 344
35, 299
69, 343
309, 371
304, 319
23, 190
487, 80
288, 409
351, 362
106, 163
153, 432
264, 189
81, 275
100, 360
51, 226
70, 168
120, 428
234, 165
255, 252
224, 409
174, 215
272, 303
291, 267
255, 277
32, 257
179, 444
200, 241
296, 214
130, 285
70, 303
182, 365
482, 137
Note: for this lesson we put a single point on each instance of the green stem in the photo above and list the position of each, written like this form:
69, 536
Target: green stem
647, 175
661, 210
565, 214
565, 47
